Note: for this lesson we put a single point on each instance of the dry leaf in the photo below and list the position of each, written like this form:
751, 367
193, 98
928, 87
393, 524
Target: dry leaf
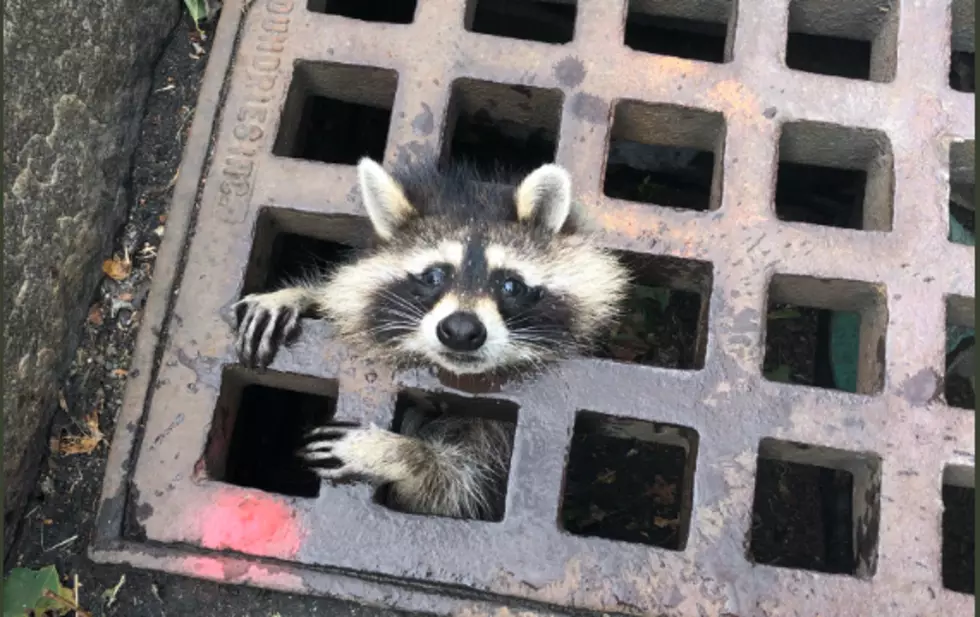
95, 315
78, 444
117, 269
662, 522
120, 372
607, 477
661, 491
596, 514
81, 444
61, 401
109, 595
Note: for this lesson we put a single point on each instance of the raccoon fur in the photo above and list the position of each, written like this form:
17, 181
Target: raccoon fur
470, 276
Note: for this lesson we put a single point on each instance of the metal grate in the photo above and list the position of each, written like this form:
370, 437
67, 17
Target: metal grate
310, 88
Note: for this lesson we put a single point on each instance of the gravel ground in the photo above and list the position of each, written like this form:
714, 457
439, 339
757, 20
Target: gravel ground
59, 519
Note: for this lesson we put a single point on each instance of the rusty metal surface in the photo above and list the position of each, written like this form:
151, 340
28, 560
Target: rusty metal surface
162, 510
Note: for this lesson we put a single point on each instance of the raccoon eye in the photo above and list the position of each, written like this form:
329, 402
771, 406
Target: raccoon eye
513, 288
433, 277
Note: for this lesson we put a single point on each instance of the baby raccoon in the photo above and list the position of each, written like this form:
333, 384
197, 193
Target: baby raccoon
466, 275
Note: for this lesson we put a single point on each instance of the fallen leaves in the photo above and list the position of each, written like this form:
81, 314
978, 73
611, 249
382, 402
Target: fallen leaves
95, 315
661, 491
607, 477
36, 592
198, 10
198, 51
109, 595
89, 439
118, 269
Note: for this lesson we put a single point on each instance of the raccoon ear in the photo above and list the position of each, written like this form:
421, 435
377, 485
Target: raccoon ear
544, 198
386, 204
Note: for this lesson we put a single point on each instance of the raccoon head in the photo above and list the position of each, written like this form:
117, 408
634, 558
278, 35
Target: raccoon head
474, 277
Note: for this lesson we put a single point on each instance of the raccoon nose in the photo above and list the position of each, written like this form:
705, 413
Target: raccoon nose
462, 332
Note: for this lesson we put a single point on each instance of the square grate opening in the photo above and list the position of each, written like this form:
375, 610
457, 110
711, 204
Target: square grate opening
960, 348
495, 125
962, 64
835, 176
630, 480
289, 245
413, 407
336, 113
959, 524
962, 199
391, 11
665, 155
546, 21
798, 345
258, 425
855, 40
666, 317
816, 508
680, 29
826, 333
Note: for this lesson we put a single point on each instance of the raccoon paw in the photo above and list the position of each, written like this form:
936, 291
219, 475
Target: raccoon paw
342, 451
264, 322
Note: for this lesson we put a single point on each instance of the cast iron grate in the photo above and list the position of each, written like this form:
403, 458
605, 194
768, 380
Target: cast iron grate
392, 11
547, 21
707, 158
673, 29
815, 508
665, 155
959, 524
856, 41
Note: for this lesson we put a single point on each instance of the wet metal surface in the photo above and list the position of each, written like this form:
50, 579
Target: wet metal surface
163, 507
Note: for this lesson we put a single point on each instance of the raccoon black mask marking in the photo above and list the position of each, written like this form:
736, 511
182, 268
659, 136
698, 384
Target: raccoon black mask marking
468, 275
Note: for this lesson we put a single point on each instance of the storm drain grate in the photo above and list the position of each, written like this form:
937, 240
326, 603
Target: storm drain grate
750, 160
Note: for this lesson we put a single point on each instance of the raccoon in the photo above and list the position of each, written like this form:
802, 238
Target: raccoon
466, 275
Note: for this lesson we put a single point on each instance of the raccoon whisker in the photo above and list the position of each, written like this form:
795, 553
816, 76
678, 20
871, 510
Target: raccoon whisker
391, 327
406, 311
533, 330
540, 351
411, 307
523, 316
561, 339
404, 317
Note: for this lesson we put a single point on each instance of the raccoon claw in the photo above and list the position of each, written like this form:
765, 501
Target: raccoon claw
263, 325
341, 451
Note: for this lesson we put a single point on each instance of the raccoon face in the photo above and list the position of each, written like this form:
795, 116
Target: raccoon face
474, 278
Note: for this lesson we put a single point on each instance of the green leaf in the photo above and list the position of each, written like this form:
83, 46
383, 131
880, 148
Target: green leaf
960, 234
845, 333
844, 346
786, 313
198, 9
956, 335
26, 590
781, 374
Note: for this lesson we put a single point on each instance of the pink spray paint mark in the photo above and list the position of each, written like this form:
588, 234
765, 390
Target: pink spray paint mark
251, 524
206, 567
